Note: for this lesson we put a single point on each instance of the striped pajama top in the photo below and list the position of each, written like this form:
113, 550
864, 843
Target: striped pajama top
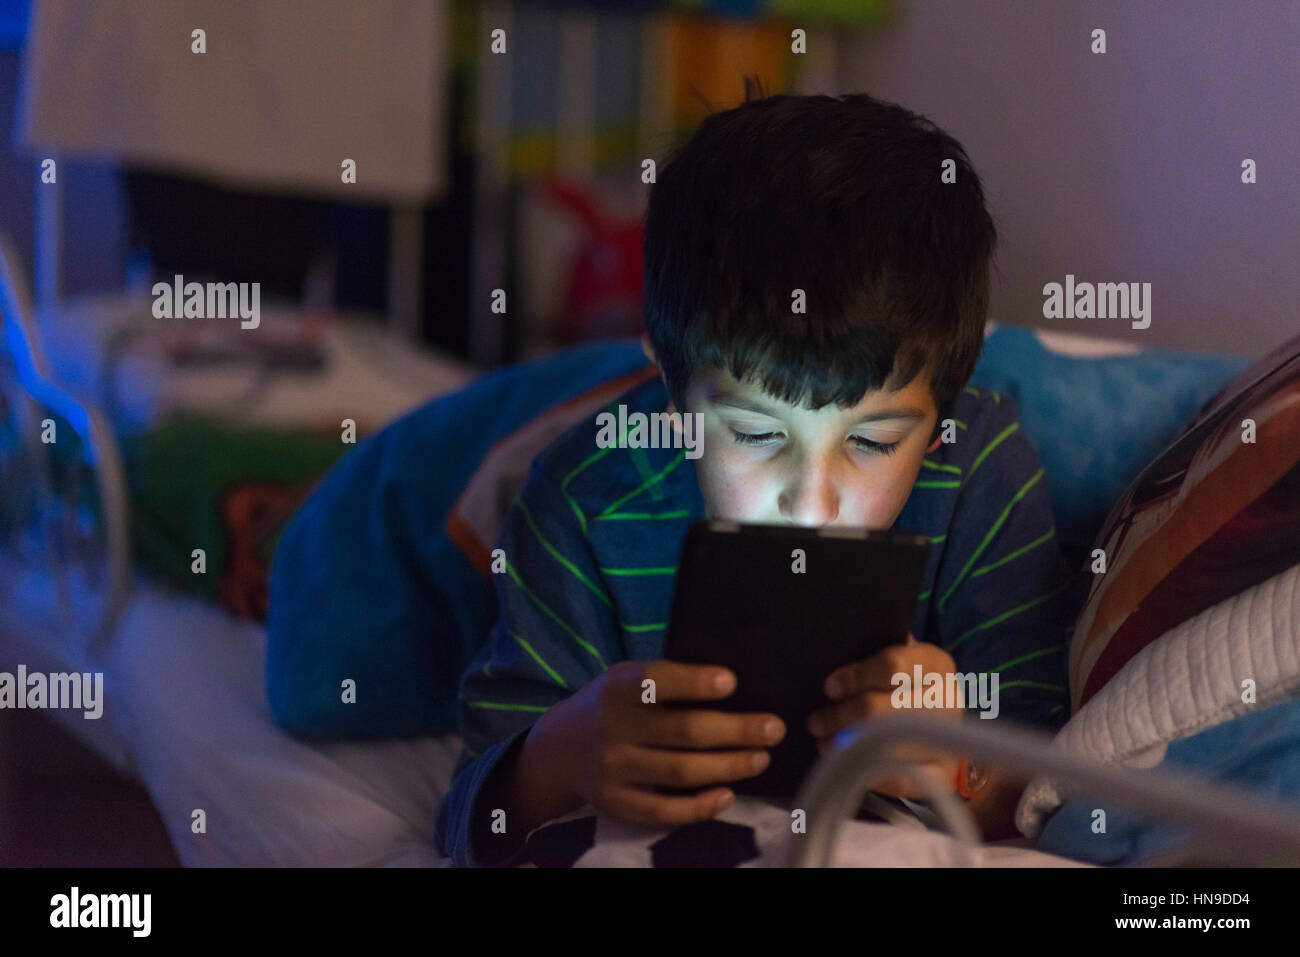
591, 548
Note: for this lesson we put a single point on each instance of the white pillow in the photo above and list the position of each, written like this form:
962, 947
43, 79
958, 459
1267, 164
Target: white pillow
1189, 679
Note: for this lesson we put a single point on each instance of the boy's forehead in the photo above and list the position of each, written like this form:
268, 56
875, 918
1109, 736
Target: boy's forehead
719, 386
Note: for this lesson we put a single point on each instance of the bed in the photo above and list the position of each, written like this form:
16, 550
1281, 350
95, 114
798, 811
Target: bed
186, 708
184, 674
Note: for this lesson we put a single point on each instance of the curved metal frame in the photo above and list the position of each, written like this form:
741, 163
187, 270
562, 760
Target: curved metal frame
1236, 826
102, 453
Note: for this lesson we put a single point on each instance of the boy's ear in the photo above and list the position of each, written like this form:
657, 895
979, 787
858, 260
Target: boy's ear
649, 351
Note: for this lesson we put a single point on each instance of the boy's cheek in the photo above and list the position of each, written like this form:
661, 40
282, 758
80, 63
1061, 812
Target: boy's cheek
730, 491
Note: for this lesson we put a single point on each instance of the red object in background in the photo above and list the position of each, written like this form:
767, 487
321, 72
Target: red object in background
604, 294
252, 513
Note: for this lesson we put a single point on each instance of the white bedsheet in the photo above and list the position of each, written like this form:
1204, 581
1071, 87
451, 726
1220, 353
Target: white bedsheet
188, 695
185, 712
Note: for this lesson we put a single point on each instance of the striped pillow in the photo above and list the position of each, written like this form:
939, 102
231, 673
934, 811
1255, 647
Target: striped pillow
1216, 513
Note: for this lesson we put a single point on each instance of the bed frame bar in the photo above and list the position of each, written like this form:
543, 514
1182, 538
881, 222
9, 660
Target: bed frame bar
1233, 826
99, 447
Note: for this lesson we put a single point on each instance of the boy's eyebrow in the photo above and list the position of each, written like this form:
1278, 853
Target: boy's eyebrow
748, 405
907, 413
753, 405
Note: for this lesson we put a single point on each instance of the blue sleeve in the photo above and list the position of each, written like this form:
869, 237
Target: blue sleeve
1003, 593
557, 630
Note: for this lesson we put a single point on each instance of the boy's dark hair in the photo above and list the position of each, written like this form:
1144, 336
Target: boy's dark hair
840, 197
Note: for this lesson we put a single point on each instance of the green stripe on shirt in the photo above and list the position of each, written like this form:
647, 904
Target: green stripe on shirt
553, 616
541, 661
1041, 653
993, 444
942, 466
578, 470
633, 572
1011, 613
652, 480
1018, 552
961, 576
554, 552
506, 706
643, 516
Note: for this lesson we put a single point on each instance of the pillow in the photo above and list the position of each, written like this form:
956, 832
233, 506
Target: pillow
1183, 684
1201, 587
1216, 512
370, 583
1097, 410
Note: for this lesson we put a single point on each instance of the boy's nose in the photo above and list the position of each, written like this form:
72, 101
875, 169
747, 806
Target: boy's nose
812, 501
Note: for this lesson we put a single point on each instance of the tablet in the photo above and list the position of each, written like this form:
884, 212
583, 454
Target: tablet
782, 607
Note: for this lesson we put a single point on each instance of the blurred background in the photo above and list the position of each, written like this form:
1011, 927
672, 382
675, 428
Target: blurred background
521, 172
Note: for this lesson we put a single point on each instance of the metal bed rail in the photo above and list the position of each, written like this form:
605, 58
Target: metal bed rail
99, 453
1233, 825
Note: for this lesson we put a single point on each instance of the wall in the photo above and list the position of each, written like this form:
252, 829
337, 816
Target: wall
1123, 166
93, 237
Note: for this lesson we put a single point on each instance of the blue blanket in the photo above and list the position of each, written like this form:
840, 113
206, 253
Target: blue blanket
366, 584
1259, 752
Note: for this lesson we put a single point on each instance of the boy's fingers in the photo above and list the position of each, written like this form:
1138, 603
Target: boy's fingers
872, 674
657, 810
830, 719
675, 681
877, 672
687, 768
696, 728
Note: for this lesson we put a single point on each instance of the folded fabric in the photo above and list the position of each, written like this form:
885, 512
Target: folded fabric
368, 584
1259, 752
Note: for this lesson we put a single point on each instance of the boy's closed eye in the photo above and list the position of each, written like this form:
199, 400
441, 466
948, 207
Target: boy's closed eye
770, 460
771, 438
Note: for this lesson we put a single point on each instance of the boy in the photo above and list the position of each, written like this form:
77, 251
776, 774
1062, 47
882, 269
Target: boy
851, 410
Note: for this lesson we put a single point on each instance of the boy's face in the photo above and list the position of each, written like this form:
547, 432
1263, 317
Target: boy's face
765, 460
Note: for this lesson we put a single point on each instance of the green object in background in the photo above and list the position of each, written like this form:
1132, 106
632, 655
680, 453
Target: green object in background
185, 475
843, 12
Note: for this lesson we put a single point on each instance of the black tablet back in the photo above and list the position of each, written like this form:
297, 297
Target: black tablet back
783, 607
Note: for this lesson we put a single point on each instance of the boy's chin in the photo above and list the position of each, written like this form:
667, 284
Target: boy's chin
721, 516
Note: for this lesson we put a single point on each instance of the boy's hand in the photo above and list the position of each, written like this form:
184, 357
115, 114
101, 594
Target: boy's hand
863, 688
610, 748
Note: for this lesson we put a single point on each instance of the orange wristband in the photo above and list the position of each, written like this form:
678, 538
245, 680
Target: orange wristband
967, 787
